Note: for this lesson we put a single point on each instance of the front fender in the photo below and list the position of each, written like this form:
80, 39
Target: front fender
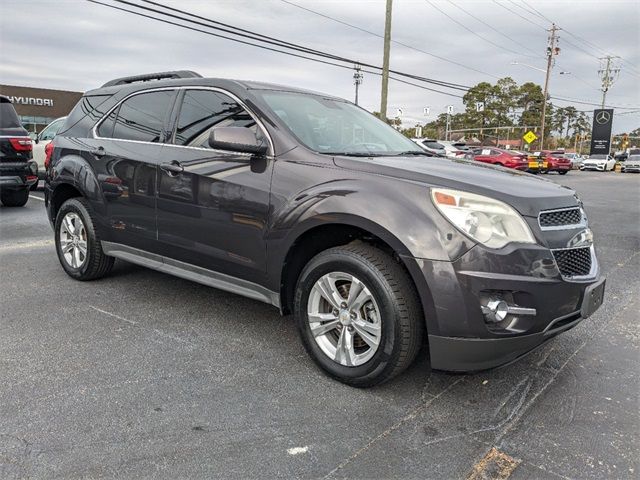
399, 212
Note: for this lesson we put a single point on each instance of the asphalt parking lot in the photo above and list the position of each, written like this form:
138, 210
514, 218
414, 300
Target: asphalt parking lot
145, 375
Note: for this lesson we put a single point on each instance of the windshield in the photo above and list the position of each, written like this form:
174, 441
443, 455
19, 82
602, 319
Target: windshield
335, 127
598, 157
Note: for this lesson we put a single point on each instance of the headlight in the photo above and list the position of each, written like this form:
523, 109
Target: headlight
488, 221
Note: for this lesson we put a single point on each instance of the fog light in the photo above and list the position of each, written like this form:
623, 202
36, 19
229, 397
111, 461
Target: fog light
497, 310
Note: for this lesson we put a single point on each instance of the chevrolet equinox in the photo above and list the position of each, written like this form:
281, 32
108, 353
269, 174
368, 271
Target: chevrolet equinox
311, 204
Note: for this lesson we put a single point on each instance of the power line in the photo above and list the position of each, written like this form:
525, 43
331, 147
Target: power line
297, 55
493, 28
269, 40
584, 102
473, 32
396, 42
519, 15
534, 11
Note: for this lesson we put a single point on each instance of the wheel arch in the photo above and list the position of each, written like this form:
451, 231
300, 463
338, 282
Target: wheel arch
316, 237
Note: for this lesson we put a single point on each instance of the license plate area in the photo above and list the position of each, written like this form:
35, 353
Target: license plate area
593, 298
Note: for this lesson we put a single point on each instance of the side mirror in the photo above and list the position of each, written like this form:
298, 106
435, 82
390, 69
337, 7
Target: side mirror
236, 139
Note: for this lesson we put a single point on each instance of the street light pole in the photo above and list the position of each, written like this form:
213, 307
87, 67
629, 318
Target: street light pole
385, 62
552, 50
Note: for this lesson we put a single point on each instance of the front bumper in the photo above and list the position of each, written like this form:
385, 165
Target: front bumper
631, 168
461, 338
599, 168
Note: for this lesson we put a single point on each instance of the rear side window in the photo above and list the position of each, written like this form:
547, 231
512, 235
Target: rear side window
142, 116
203, 110
86, 109
8, 116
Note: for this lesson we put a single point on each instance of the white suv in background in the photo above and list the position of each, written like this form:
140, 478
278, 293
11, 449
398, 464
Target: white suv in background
41, 141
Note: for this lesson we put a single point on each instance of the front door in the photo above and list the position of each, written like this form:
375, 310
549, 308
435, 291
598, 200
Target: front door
213, 213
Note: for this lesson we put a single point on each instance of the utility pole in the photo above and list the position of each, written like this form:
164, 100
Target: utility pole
552, 50
357, 78
608, 74
385, 62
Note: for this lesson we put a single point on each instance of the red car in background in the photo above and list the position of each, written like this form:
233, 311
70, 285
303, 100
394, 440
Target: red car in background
556, 160
498, 156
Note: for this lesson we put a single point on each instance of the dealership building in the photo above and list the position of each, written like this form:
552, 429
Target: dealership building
37, 107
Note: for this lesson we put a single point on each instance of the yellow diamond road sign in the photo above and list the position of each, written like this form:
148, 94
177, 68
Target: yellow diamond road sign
530, 137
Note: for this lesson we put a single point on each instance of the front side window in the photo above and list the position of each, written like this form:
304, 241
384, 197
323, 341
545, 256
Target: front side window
333, 126
204, 110
140, 117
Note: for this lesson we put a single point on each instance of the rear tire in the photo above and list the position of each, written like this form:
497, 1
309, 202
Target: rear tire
14, 198
386, 311
77, 242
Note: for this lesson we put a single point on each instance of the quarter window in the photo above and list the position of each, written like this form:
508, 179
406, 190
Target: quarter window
140, 117
204, 110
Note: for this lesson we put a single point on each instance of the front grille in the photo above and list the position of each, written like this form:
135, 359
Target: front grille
559, 218
573, 262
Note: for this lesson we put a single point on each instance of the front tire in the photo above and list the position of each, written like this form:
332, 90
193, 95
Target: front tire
14, 198
358, 314
77, 242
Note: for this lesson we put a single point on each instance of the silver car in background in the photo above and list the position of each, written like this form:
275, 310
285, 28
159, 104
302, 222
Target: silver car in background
631, 164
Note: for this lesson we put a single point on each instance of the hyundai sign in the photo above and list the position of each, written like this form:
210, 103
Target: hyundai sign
41, 102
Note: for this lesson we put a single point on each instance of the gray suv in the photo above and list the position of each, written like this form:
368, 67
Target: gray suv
311, 204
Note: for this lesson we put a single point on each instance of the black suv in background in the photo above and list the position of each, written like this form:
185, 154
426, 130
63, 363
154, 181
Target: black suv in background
18, 172
311, 204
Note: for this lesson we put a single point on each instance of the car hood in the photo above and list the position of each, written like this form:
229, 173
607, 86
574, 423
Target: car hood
525, 192
595, 161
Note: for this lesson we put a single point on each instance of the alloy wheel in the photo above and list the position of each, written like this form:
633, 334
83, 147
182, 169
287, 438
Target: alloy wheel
344, 319
73, 240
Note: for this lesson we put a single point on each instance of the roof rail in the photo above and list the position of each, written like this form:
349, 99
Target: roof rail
152, 76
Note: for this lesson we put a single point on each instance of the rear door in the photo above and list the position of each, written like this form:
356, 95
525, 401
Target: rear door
214, 213
125, 153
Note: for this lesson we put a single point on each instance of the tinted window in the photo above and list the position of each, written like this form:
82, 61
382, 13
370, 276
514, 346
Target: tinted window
141, 117
8, 116
433, 145
203, 110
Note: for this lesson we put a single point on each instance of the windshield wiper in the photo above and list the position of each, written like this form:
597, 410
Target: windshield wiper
412, 152
351, 154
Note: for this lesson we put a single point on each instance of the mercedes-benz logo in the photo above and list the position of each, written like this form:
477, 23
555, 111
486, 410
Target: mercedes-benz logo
603, 117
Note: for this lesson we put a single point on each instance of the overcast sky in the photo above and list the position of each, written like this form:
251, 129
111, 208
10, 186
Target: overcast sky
76, 45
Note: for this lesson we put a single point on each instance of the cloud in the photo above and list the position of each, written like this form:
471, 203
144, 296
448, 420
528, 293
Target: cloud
78, 45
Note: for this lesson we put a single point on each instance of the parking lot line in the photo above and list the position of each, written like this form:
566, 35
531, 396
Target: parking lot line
130, 322
37, 198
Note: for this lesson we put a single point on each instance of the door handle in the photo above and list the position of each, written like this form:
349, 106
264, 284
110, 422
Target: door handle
172, 168
98, 152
